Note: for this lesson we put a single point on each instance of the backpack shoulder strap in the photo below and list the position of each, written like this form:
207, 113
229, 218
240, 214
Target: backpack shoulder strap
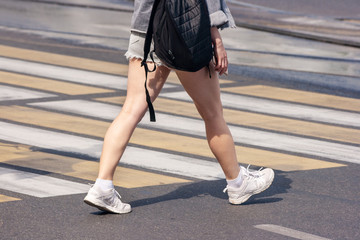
147, 45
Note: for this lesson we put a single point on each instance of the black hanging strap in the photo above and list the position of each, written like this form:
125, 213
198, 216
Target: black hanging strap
147, 45
148, 99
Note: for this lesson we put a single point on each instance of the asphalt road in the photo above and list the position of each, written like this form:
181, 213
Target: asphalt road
329, 8
292, 104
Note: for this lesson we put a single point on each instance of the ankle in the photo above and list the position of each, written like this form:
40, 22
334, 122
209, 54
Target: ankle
235, 183
104, 184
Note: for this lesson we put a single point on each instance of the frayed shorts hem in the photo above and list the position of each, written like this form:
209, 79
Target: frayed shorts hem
136, 48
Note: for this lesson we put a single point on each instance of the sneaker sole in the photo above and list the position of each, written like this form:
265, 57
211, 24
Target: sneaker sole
103, 208
246, 197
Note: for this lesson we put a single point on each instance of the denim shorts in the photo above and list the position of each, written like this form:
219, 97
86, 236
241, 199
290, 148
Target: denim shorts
136, 48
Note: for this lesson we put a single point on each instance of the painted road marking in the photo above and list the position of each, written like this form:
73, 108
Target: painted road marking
241, 135
23, 156
238, 117
83, 107
292, 95
189, 129
55, 120
38, 185
63, 73
50, 140
49, 85
4, 198
159, 140
76, 62
289, 232
12, 93
135, 156
285, 109
64, 60
66, 74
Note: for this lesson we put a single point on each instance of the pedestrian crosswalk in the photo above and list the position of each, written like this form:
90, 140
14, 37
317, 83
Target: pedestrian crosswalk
38, 185
24, 156
249, 119
297, 96
55, 109
50, 86
12, 93
283, 109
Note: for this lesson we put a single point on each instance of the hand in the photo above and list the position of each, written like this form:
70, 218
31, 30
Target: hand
221, 62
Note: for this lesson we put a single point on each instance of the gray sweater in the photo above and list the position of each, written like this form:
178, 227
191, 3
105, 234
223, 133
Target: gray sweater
220, 15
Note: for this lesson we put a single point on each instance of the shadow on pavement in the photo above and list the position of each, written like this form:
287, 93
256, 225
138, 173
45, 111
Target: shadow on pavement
215, 189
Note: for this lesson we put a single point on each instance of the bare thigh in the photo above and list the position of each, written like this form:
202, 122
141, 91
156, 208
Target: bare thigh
204, 91
135, 103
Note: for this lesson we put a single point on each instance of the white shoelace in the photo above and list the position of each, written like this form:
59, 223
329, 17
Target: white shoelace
115, 198
253, 173
250, 173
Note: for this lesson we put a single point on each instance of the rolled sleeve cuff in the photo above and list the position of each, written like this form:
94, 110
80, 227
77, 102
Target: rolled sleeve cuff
218, 19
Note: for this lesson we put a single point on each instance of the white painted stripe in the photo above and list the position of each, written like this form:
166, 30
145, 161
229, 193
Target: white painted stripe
281, 108
65, 73
38, 185
171, 163
49, 140
139, 157
289, 232
12, 93
83, 107
336, 151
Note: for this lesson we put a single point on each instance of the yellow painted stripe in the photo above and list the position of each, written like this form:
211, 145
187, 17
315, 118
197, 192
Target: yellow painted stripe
48, 85
160, 140
4, 198
54, 120
246, 155
22, 155
298, 96
258, 120
75, 62
64, 60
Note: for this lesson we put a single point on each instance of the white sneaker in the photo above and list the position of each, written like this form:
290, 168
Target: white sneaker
108, 200
254, 182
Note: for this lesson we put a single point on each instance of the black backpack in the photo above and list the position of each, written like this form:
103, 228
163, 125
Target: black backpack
180, 30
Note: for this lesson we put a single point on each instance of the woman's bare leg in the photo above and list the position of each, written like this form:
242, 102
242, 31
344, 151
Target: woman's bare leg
135, 106
205, 92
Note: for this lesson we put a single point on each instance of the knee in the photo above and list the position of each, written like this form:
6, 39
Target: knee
211, 115
133, 116
134, 112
